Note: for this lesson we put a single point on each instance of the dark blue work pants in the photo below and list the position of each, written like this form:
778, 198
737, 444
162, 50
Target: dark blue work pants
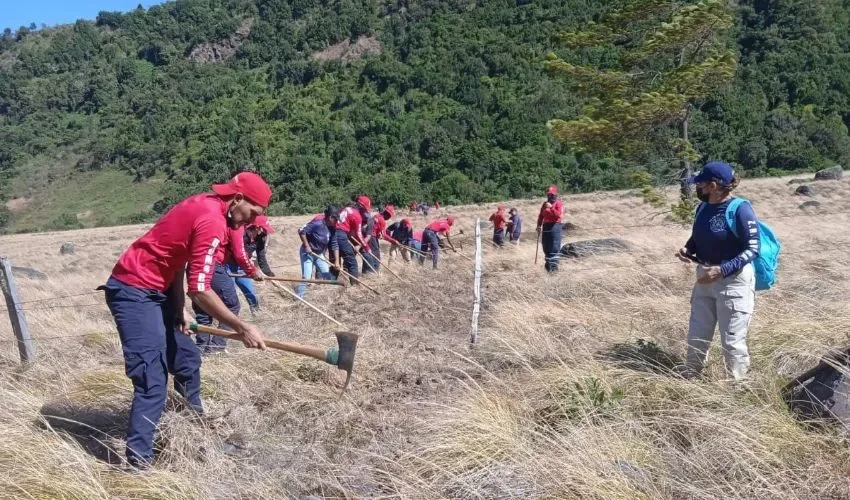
430, 242
152, 349
499, 237
225, 287
551, 239
372, 255
347, 255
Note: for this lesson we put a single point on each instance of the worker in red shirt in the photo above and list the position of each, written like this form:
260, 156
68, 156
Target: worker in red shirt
431, 242
549, 224
499, 222
235, 256
255, 238
349, 235
379, 232
146, 298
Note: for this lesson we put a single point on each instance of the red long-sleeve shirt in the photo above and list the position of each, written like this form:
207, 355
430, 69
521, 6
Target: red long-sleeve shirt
380, 228
192, 233
552, 214
498, 219
351, 222
440, 226
234, 251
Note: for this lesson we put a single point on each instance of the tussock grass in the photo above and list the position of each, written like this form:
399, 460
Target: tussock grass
567, 394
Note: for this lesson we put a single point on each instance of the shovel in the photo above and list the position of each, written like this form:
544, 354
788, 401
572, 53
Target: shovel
342, 356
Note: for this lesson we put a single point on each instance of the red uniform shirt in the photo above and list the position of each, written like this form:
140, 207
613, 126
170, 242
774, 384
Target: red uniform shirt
417, 235
234, 251
380, 229
552, 214
440, 226
351, 222
192, 232
498, 220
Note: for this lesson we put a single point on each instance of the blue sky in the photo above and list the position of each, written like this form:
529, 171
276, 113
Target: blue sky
17, 13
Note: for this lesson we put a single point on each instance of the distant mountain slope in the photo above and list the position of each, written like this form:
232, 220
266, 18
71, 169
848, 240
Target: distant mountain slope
428, 100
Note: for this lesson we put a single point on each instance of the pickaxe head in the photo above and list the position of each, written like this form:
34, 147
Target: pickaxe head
343, 356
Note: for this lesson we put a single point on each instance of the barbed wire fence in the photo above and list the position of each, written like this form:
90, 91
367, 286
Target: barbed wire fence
17, 308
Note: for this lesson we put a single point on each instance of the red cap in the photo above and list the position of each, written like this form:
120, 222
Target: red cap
365, 202
390, 210
553, 189
407, 223
250, 185
262, 222
450, 219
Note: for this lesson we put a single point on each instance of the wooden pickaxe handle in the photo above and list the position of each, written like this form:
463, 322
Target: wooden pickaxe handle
345, 273
313, 352
292, 280
411, 249
342, 356
385, 266
301, 299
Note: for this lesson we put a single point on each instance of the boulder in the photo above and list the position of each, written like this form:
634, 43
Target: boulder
569, 226
28, 272
67, 248
830, 174
822, 393
804, 190
589, 248
809, 204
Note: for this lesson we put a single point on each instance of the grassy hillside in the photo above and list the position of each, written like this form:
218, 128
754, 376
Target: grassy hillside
566, 395
413, 100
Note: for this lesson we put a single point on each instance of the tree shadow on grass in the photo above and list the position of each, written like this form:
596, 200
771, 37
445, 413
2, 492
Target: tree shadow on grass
95, 429
642, 356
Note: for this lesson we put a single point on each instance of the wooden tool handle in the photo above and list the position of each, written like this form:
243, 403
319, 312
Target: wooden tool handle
344, 273
292, 280
313, 352
302, 280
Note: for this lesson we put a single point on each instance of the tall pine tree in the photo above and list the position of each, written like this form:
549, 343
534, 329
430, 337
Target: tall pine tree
659, 60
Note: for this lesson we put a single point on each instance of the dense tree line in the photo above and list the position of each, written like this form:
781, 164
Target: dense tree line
454, 107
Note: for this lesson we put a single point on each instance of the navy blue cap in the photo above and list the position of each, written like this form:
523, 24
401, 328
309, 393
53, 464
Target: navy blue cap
717, 171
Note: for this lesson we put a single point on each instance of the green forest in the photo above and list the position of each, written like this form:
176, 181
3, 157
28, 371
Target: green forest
112, 120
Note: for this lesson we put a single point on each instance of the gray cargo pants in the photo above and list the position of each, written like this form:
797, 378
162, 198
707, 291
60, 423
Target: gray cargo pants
727, 303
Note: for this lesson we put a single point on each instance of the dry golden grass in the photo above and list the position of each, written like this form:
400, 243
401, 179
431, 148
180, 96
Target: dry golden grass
550, 403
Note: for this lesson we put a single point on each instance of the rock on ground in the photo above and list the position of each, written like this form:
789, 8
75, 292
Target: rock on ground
830, 174
825, 395
590, 248
804, 190
67, 248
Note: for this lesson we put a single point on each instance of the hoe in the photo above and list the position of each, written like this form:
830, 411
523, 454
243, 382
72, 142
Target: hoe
342, 357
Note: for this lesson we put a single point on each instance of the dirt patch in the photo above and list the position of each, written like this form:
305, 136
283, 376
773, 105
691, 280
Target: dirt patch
346, 51
18, 204
225, 49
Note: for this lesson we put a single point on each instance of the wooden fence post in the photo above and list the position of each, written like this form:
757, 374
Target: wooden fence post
16, 312
476, 290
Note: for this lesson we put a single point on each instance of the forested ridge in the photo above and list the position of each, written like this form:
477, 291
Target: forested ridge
431, 100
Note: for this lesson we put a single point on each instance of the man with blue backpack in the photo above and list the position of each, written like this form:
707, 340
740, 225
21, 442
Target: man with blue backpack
736, 255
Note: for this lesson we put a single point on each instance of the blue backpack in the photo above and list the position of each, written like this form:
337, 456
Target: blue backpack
768, 258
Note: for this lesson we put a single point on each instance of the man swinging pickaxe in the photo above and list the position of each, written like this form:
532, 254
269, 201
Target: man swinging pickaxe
341, 356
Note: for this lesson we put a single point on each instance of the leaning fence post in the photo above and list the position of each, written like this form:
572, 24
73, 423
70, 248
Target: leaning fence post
16, 312
476, 290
